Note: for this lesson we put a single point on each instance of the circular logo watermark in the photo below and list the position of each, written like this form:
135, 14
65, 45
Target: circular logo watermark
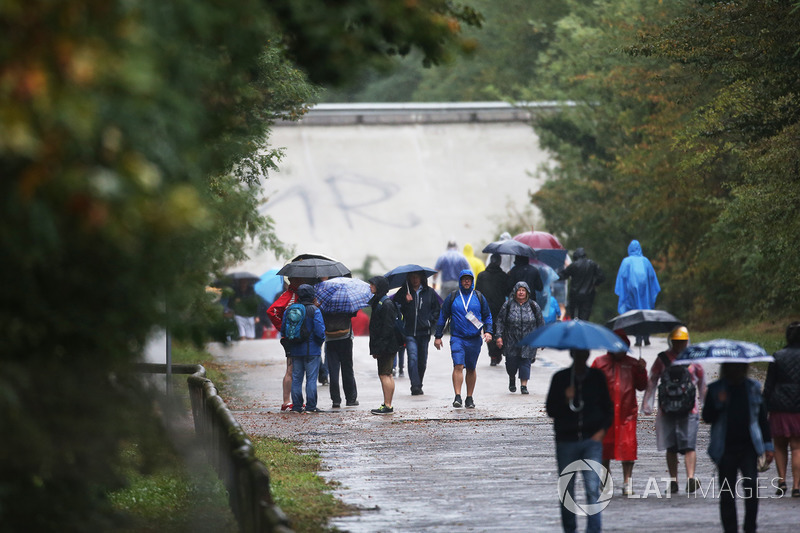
606, 487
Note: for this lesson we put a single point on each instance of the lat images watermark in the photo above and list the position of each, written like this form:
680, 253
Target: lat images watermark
588, 468
712, 488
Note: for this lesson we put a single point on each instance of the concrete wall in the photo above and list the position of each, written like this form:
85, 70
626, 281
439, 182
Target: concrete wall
398, 191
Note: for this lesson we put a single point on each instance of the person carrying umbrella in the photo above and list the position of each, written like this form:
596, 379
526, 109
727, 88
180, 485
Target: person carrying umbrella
420, 307
469, 313
517, 318
637, 284
624, 376
581, 409
676, 429
584, 275
740, 433
495, 284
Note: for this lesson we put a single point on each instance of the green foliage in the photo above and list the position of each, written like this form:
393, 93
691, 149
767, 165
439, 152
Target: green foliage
133, 141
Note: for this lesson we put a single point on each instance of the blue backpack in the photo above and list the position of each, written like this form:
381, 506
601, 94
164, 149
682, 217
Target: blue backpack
296, 329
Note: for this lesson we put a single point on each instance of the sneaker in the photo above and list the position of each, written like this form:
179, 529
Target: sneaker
795, 492
301, 410
286, 407
673, 487
400, 374
457, 401
315, 410
523, 389
352, 404
336, 405
692, 484
512, 384
627, 489
382, 410
469, 403
416, 391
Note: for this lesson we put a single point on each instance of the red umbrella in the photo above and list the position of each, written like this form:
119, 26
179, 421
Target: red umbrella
539, 240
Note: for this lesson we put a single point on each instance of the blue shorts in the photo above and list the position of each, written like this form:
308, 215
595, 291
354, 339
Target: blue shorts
465, 351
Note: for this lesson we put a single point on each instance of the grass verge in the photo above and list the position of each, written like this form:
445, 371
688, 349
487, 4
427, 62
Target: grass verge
296, 488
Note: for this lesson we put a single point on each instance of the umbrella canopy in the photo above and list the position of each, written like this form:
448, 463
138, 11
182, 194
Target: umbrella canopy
644, 322
723, 351
539, 239
313, 268
231, 278
342, 295
509, 247
574, 335
269, 286
300, 257
554, 258
397, 276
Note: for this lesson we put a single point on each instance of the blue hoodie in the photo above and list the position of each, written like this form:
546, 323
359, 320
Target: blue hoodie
455, 308
637, 285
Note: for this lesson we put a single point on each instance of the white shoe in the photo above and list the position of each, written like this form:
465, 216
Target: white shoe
627, 489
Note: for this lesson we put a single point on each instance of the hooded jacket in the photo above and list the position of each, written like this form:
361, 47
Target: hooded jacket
313, 346
584, 275
475, 264
457, 305
421, 313
515, 320
637, 285
494, 284
524, 271
382, 340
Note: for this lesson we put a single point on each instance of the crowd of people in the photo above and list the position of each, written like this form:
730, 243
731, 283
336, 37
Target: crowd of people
594, 407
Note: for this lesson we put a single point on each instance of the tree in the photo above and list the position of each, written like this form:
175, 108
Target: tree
132, 145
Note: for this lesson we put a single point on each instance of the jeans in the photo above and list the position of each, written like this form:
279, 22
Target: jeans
399, 357
746, 462
566, 453
323, 369
305, 366
340, 356
417, 350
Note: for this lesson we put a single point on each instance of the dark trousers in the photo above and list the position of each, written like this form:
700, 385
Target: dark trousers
580, 308
340, 356
495, 353
746, 462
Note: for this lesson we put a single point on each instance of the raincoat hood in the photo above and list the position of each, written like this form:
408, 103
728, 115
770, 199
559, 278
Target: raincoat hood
523, 285
495, 259
306, 294
463, 273
521, 260
580, 253
469, 250
505, 236
381, 288
634, 248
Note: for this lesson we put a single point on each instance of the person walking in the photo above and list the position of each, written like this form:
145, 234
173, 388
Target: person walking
581, 409
523, 270
469, 314
383, 341
624, 376
584, 276
419, 305
339, 355
677, 421
306, 352
246, 305
495, 284
517, 317
447, 266
637, 284
475, 264
782, 395
740, 433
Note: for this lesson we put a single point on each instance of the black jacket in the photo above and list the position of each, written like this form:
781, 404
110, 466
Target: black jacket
421, 313
496, 286
382, 339
584, 275
597, 412
782, 386
527, 273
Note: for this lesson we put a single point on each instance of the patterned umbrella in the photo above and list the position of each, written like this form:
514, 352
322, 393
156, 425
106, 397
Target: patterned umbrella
723, 351
574, 335
342, 295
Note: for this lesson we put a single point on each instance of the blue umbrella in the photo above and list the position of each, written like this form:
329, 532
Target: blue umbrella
723, 351
574, 335
397, 276
342, 295
554, 258
269, 286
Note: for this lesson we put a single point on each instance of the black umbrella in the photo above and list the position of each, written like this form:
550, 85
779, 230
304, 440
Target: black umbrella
509, 247
231, 278
314, 268
641, 322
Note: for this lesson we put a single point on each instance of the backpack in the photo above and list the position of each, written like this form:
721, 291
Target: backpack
676, 390
295, 319
399, 326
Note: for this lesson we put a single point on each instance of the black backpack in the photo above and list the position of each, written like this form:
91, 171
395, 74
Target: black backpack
676, 390
399, 325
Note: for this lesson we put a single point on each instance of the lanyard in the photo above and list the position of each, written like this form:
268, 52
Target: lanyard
466, 304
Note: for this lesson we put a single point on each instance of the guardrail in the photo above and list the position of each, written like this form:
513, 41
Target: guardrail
231, 453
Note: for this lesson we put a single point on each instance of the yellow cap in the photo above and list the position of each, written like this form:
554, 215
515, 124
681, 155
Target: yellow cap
679, 334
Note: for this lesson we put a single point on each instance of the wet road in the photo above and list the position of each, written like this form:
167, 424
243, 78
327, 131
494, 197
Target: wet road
431, 467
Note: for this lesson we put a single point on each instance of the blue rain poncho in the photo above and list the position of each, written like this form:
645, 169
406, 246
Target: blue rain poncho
637, 284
